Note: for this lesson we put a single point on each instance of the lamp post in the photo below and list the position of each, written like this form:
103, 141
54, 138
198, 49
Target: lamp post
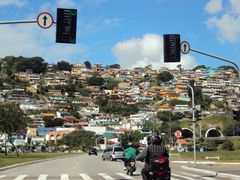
193, 119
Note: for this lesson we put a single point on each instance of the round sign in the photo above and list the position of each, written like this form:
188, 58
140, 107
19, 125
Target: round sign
178, 134
45, 20
185, 47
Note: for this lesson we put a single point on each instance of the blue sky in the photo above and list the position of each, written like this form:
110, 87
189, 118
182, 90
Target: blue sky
128, 32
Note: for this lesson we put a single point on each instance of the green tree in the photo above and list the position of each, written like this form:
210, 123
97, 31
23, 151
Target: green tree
79, 139
12, 121
228, 145
95, 81
199, 67
114, 66
164, 76
233, 129
64, 66
51, 122
88, 64
111, 84
165, 115
85, 91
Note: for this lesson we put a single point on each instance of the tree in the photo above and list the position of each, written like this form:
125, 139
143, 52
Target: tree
12, 121
51, 122
95, 81
165, 115
199, 67
114, 66
164, 76
64, 66
228, 145
85, 91
111, 84
79, 139
88, 64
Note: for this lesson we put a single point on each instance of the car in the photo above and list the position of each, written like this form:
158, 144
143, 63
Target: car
92, 151
113, 153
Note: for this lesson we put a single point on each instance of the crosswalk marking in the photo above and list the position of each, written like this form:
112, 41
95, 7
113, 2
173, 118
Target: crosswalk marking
85, 177
20, 177
105, 176
184, 177
2, 176
125, 176
64, 177
196, 176
43, 177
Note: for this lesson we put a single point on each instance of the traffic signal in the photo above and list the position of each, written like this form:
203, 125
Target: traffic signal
236, 115
171, 46
198, 115
66, 26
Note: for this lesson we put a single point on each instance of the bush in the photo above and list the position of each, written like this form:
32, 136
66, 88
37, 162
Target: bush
236, 144
211, 146
228, 145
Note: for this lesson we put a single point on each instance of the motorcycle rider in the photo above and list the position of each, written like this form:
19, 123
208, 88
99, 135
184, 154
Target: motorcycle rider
153, 151
130, 154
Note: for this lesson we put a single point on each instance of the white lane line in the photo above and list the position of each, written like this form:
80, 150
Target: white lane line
105, 176
184, 177
64, 177
85, 176
198, 176
20, 177
43, 177
2, 176
172, 178
125, 176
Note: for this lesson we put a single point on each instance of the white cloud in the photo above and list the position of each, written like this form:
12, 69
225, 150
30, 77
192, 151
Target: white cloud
18, 3
140, 52
29, 40
66, 4
227, 24
213, 6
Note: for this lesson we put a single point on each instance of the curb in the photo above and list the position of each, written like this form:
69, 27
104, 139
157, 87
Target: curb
212, 173
33, 162
206, 162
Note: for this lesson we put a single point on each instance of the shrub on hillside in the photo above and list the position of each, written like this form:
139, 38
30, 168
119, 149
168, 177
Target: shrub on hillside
228, 145
236, 144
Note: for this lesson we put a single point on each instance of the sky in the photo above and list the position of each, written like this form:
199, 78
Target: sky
127, 32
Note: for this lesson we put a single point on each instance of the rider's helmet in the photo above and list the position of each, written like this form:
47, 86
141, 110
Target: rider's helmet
130, 144
156, 139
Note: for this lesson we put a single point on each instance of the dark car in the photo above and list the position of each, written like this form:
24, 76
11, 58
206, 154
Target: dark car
92, 151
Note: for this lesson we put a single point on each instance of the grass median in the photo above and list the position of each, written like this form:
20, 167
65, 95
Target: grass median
224, 156
12, 158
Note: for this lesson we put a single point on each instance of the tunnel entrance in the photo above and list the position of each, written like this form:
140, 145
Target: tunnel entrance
213, 133
187, 133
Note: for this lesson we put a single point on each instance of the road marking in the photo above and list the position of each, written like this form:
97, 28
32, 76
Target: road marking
184, 177
85, 177
2, 176
43, 177
125, 176
172, 178
64, 177
20, 177
105, 176
198, 176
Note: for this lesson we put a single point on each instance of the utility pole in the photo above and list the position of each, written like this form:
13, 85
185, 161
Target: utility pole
194, 129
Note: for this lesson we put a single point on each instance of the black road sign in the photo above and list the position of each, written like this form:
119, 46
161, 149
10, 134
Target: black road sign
171, 46
66, 26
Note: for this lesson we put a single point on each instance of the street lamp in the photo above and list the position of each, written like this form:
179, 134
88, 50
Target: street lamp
194, 131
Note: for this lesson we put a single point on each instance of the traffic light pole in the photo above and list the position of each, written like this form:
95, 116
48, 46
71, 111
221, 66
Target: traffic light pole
194, 129
219, 58
18, 22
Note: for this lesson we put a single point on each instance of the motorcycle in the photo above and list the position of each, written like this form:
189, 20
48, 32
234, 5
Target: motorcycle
131, 167
160, 171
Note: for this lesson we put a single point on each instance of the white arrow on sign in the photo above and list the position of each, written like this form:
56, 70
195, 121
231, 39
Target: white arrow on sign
45, 20
185, 47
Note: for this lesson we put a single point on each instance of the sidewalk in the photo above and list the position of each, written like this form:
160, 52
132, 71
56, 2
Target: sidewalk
223, 170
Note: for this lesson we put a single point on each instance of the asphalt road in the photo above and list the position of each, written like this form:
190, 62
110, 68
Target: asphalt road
88, 168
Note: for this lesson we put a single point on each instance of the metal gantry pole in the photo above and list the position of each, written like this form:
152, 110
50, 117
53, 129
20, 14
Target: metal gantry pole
219, 58
18, 22
194, 129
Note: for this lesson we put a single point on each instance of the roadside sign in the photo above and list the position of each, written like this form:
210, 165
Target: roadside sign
66, 26
185, 47
178, 134
171, 46
45, 20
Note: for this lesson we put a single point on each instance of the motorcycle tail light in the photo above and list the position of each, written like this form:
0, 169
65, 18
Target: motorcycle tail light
132, 163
